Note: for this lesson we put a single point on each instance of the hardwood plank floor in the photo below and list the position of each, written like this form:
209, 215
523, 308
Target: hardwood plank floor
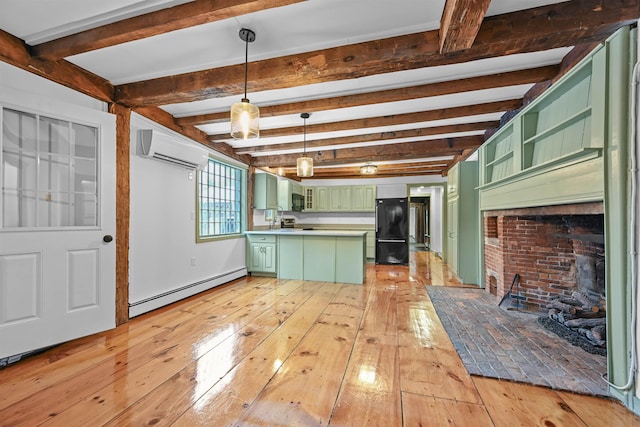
264, 352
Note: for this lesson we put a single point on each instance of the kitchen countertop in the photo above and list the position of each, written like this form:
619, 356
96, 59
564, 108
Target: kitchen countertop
301, 232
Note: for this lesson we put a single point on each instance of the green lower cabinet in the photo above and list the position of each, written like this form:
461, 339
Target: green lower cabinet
350, 265
262, 254
370, 249
320, 258
290, 254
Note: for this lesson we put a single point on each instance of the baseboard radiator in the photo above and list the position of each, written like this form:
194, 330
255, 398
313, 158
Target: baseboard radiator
143, 306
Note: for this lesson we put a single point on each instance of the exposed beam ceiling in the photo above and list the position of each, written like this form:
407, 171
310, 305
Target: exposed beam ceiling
386, 96
548, 27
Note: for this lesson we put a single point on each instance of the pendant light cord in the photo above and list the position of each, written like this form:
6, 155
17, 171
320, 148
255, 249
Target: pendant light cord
246, 65
304, 147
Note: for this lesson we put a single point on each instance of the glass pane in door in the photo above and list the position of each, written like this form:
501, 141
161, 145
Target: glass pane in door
49, 172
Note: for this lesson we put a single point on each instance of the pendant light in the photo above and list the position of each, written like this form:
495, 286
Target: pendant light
244, 115
304, 164
368, 169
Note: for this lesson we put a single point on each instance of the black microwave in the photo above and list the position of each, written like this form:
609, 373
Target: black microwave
297, 202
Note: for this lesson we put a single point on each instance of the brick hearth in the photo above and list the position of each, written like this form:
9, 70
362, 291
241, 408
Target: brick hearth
542, 246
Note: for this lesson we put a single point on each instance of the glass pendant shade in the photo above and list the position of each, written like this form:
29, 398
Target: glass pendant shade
245, 118
304, 167
368, 169
304, 164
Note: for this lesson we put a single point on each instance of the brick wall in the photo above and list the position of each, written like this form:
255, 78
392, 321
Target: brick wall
542, 249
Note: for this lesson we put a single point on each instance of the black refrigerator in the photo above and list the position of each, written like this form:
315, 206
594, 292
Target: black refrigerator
392, 231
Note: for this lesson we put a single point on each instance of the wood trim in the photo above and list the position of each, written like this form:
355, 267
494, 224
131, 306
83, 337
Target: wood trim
251, 174
460, 23
123, 201
151, 24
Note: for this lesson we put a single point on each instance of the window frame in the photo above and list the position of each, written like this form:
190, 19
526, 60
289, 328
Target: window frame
200, 238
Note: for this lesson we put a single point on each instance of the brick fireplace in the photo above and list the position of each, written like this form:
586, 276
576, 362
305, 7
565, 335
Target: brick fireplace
556, 250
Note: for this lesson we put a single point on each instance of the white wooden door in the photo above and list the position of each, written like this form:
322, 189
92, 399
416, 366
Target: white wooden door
57, 225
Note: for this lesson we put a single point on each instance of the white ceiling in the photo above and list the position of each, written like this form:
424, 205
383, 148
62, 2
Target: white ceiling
301, 27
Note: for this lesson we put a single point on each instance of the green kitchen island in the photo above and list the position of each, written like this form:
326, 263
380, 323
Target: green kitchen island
318, 255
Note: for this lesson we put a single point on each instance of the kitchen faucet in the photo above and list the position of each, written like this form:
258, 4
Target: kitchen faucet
281, 209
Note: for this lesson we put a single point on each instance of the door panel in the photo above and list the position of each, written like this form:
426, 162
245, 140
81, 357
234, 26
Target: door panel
21, 287
83, 288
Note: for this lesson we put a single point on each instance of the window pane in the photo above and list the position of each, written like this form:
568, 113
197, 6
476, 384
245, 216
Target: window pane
220, 199
49, 172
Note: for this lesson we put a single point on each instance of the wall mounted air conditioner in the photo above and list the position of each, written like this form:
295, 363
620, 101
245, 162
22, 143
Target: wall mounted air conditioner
160, 146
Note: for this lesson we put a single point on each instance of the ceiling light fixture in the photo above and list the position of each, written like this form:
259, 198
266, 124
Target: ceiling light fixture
368, 169
304, 164
244, 115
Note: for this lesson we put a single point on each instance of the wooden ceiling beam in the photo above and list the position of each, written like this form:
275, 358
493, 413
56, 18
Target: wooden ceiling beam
401, 119
182, 16
388, 167
373, 153
460, 23
327, 174
512, 78
15, 52
546, 27
371, 137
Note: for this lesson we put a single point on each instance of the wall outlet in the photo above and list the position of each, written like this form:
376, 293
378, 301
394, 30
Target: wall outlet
193, 261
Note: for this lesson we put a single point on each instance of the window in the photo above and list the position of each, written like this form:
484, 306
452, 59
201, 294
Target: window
49, 172
220, 200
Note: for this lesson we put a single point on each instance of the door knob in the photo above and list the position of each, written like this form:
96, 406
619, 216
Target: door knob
107, 238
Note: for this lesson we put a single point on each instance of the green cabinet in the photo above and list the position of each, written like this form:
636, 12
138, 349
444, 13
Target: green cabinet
286, 188
463, 222
265, 191
363, 198
350, 267
309, 199
340, 198
290, 257
319, 258
261, 250
321, 199
370, 245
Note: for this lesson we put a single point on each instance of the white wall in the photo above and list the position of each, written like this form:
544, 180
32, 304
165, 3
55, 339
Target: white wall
13, 77
163, 231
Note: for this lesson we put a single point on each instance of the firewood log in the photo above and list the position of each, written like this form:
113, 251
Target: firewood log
582, 323
567, 308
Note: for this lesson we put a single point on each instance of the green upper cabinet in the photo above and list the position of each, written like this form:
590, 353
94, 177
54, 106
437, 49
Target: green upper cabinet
363, 198
340, 198
265, 193
552, 151
321, 195
286, 188
309, 199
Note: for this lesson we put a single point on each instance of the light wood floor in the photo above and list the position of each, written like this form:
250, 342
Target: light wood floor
258, 352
